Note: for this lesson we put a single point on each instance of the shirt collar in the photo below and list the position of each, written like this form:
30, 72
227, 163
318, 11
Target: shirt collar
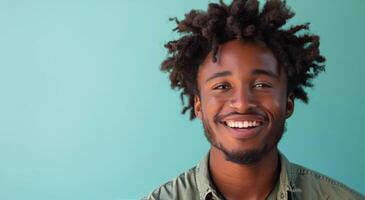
205, 184
286, 186
287, 179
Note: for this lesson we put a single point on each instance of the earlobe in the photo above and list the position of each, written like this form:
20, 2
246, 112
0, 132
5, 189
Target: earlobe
289, 106
197, 106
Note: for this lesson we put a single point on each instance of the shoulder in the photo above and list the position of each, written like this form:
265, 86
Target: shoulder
183, 186
315, 185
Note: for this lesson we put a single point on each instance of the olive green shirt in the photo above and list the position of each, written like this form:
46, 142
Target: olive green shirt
295, 183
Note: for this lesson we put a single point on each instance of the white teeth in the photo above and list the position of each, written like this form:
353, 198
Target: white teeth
245, 124
242, 124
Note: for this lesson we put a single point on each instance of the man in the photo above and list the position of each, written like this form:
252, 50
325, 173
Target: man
241, 71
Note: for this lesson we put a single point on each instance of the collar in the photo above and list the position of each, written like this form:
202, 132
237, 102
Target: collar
286, 181
205, 183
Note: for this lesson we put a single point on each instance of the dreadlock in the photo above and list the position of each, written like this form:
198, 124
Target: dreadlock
203, 31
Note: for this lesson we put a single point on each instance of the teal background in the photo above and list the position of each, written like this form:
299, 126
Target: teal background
86, 114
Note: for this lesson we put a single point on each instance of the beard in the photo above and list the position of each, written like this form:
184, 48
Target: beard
242, 157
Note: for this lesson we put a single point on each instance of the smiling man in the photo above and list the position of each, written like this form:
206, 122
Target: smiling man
241, 71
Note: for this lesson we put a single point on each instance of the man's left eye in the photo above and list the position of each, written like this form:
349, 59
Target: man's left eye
261, 85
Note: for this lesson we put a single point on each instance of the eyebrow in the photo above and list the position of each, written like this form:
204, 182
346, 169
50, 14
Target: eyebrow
265, 72
219, 74
255, 72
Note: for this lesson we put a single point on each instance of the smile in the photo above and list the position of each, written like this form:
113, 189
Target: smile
242, 124
243, 128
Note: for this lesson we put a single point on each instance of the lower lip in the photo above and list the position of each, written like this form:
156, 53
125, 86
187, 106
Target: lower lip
244, 133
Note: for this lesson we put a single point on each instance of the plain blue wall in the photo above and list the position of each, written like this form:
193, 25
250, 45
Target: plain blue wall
86, 114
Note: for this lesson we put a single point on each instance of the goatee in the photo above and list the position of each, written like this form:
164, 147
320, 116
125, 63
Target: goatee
246, 157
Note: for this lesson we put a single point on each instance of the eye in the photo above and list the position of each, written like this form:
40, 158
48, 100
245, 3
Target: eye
222, 86
261, 85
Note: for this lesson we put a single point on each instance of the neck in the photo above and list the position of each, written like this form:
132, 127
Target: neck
235, 181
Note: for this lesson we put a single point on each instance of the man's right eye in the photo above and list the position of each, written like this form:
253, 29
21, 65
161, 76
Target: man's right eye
222, 87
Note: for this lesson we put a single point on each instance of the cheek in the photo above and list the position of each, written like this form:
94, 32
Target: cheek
280, 105
276, 105
211, 106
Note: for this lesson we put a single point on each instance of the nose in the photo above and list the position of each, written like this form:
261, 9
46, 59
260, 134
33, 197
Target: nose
242, 100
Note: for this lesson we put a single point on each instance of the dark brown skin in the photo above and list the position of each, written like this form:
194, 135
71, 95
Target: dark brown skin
245, 92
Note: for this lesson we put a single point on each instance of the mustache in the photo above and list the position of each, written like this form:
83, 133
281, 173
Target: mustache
220, 117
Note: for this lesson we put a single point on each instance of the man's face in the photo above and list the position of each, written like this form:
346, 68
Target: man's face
243, 101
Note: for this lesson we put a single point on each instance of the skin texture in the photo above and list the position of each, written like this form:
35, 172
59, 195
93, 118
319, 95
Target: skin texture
246, 83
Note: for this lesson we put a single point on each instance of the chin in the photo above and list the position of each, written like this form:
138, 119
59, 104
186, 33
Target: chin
245, 156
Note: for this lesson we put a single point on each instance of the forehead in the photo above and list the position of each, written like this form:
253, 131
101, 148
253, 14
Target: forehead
240, 57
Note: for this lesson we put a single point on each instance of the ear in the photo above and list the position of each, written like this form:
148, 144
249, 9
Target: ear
197, 107
289, 105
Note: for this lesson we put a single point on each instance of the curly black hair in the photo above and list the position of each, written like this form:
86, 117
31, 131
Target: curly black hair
203, 31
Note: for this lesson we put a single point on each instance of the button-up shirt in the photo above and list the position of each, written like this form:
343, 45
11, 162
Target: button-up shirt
295, 183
